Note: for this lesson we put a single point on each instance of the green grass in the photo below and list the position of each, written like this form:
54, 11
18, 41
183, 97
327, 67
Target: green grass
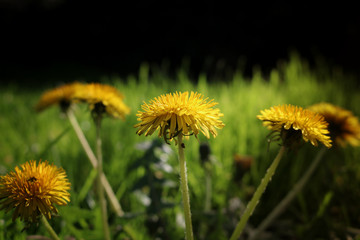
326, 207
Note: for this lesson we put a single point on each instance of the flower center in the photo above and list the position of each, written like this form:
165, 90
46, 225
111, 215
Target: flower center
64, 105
32, 179
291, 138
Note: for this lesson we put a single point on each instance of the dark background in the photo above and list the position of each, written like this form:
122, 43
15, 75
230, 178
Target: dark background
60, 40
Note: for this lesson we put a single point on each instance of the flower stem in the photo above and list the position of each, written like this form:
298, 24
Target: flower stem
185, 190
279, 209
256, 197
100, 187
94, 162
48, 227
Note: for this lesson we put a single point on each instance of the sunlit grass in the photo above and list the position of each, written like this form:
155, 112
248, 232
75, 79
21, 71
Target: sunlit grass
27, 135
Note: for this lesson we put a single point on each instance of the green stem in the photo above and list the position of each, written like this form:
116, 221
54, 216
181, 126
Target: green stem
255, 199
100, 187
185, 190
48, 227
84, 143
279, 209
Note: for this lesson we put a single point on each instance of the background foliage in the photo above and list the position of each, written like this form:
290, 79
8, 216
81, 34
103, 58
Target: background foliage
143, 171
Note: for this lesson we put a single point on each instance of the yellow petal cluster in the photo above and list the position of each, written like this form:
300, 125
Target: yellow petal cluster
344, 127
312, 125
62, 94
34, 189
109, 96
179, 112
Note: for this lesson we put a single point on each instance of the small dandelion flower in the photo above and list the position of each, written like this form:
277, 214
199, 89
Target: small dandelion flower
344, 127
179, 112
33, 190
63, 95
295, 122
104, 98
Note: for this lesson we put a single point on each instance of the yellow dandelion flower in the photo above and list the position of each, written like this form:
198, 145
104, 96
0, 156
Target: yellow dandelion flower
63, 95
108, 96
344, 127
179, 112
293, 122
34, 189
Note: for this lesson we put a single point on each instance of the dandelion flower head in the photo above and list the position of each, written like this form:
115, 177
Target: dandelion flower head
63, 95
293, 122
344, 127
179, 112
108, 96
34, 189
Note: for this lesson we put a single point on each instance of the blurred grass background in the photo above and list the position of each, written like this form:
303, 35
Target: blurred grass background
144, 173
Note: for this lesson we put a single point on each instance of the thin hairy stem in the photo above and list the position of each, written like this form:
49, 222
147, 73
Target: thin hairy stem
48, 227
185, 190
282, 206
94, 162
100, 188
256, 197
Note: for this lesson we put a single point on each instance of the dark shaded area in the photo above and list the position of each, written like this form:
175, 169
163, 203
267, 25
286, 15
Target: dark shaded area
52, 40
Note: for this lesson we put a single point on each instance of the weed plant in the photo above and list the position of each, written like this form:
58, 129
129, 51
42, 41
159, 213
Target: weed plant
144, 171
